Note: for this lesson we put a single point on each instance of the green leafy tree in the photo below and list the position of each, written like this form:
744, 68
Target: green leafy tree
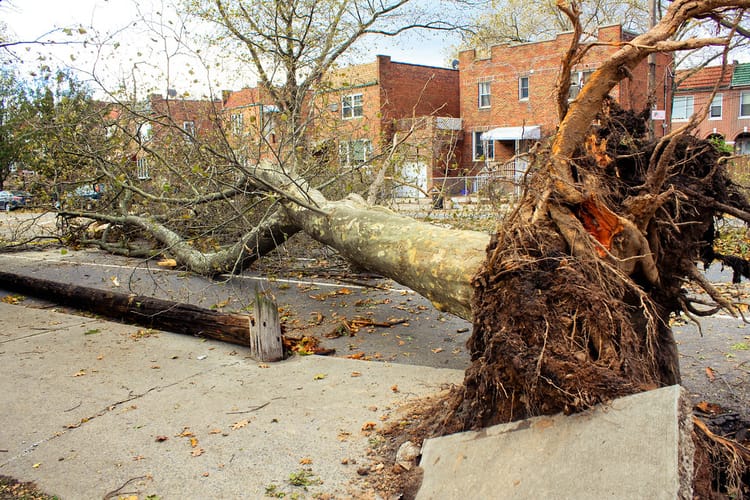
65, 133
12, 109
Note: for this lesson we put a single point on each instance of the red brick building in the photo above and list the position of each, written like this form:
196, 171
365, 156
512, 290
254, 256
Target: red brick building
508, 95
355, 114
728, 115
250, 121
370, 107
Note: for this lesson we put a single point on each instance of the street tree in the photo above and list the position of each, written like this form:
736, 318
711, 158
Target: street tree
12, 107
517, 21
63, 130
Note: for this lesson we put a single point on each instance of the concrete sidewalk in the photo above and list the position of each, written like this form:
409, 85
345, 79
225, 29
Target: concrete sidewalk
92, 408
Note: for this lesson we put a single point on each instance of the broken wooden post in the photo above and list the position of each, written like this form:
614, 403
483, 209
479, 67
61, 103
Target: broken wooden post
265, 330
161, 314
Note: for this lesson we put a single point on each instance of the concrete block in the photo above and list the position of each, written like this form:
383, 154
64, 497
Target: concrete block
638, 446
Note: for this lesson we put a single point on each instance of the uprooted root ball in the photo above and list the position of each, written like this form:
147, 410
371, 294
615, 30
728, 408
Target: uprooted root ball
551, 334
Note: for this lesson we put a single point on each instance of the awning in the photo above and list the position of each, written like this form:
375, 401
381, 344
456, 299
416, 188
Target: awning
512, 133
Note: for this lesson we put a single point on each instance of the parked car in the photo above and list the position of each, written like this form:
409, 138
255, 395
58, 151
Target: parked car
10, 200
88, 193
23, 197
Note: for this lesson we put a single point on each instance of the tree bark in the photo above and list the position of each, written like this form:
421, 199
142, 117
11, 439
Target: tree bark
149, 312
436, 262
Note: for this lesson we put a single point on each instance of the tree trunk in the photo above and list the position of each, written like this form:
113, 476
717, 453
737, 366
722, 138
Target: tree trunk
436, 262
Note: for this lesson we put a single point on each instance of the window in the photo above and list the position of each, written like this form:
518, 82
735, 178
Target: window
189, 128
352, 106
354, 152
483, 150
523, 88
742, 145
142, 168
716, 108
745, 105
484, 94
237, 123
682, 107
577, 80
145, 132
268, 123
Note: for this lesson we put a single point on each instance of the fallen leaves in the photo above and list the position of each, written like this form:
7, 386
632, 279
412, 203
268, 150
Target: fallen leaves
352, 326
305, 345
12, 299
710, 374
323, 296
240, 424
167, 263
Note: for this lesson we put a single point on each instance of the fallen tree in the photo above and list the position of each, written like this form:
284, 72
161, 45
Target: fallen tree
571, 297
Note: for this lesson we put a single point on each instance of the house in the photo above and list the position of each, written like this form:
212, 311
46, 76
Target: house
355, 114
251, 121
370, 107
728, 115
508, 96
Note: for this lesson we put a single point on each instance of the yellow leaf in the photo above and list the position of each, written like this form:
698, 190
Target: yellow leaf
306, 461
79, 373
197, 452
167, 263
320, 376
368, 426
193, 442
240, 424
37, 465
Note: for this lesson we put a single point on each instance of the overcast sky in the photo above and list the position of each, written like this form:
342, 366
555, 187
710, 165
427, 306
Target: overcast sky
31, 19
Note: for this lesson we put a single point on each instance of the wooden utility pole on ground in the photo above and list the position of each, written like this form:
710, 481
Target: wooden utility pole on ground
261, 333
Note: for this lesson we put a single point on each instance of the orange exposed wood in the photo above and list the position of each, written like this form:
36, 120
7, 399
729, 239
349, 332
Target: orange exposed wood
600, 222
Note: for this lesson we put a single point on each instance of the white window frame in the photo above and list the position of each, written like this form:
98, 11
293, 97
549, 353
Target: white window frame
716, 104
238, 122
352, 106
484, 95
523, 96
682, 107
577, 81
745, 102
481, 150
350, 154
142, 168
188, 126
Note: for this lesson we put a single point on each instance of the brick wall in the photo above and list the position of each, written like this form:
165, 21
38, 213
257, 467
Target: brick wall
540, 63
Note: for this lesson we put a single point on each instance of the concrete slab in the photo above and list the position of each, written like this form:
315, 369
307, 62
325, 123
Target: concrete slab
635, 447
90, 407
